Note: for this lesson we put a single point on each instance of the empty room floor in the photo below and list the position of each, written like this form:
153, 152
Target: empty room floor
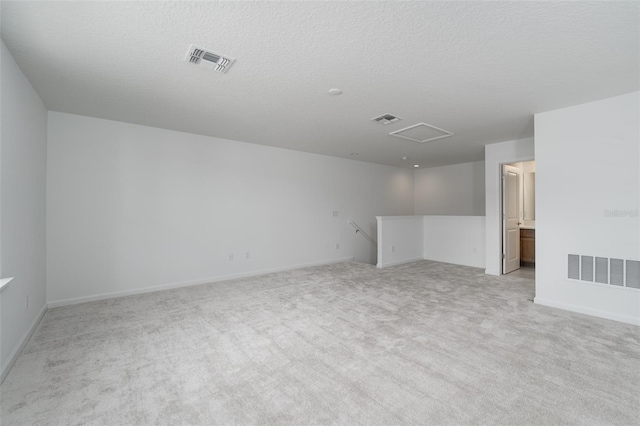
422, 343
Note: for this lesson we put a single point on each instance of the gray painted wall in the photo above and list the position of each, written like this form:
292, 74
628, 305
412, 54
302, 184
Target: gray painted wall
456, 190
23, 155
132, 207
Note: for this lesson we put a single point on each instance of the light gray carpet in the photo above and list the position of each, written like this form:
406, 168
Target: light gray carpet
423, 343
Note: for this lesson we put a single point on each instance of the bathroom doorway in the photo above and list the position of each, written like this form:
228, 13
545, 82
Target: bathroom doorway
518, 218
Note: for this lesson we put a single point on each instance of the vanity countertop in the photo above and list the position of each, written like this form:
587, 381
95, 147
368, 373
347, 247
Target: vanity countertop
527, 227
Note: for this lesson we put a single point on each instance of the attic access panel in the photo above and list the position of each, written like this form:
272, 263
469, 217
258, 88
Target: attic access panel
421, 132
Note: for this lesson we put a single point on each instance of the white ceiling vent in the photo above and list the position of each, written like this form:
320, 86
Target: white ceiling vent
386, 119
208, 59
421, 132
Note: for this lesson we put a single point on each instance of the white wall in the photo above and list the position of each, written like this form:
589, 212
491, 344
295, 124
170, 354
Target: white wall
133, 207
452, 198
587, 161
399, 240
451, 239
455, 239
457, 189
495, 155
22, 208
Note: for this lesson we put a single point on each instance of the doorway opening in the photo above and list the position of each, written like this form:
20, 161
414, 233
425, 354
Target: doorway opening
518, 218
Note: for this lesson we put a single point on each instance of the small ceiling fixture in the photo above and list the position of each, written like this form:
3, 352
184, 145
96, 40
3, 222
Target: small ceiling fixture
208, 59
335, 92
386, 119
422, 132
404, 158
416, 165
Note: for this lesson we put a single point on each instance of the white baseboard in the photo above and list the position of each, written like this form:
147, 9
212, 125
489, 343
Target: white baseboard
587, 311
115, 294
16, 352
436, 259
399, 262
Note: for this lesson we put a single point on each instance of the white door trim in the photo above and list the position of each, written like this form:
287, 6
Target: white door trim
510, 214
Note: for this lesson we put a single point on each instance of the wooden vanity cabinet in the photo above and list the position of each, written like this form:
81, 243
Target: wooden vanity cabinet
527, 247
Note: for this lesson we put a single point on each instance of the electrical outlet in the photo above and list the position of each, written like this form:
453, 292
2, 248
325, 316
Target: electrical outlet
230, 256
247, 255
335, 213
393, 249
337, 246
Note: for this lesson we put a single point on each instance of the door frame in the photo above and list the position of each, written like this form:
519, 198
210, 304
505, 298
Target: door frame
503, 215
500, 202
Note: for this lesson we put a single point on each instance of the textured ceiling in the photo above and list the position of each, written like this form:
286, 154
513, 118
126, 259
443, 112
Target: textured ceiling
478, 69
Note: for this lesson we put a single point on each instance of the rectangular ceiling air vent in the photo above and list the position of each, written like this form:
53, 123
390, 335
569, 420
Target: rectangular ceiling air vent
422, 132
208, 59
386, 119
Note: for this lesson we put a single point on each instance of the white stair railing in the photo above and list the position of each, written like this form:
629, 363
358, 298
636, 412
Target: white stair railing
364, 234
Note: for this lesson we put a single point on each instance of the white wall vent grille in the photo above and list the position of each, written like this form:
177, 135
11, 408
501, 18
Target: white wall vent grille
618, 272
210, 60
574, 267
633, 273
586, 270
602, 270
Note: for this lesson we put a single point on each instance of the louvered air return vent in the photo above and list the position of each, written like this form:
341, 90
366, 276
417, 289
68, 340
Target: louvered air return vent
603, 270
386, 119
208, 59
